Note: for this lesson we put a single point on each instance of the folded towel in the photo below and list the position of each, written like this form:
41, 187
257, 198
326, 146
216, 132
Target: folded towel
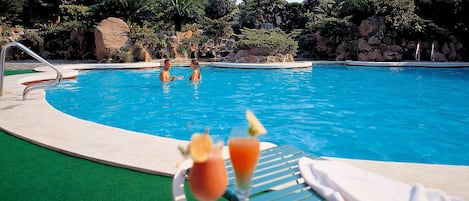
336, 181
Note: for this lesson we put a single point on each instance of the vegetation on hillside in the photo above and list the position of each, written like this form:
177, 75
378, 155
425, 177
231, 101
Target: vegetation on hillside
423, 20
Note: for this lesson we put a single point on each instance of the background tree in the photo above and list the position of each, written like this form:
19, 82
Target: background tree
218, 28
219, 14
219, 8
254, 13
357, 10
137, 11
292, 17
324, 11
399, 15
309, 5
10, 10
180, 12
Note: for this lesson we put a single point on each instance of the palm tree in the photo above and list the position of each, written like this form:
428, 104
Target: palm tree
182, 11
129, 10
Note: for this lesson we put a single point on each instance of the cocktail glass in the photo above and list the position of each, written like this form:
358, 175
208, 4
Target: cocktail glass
208, 180
244, 153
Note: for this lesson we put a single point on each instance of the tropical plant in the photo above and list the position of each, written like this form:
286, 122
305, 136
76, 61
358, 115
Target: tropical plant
74, 12
144, 36
274, 40
338, 30
219, 8
180, 11
33, 38
128, 10
399, 15
218, 28
10, 11
191, 27
122, 55
254, 13
39, 11
292, 17
357, 10
319, 15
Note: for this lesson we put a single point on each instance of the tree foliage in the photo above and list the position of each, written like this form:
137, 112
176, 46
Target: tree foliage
321, 13
219, 8
291, 17
357, 10
128, 10
180, 12
218, 28
399, 14
254, 13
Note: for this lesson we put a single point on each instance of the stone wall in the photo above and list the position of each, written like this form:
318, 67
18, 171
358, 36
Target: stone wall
375, 43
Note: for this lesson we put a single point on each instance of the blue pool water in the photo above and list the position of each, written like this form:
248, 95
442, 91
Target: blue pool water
393, 114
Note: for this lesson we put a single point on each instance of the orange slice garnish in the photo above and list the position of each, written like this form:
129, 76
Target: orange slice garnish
200, 146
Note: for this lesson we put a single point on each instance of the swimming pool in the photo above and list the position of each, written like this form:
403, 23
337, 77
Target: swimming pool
394, 114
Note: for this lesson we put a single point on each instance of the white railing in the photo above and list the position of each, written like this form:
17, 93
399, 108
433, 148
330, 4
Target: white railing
30, 87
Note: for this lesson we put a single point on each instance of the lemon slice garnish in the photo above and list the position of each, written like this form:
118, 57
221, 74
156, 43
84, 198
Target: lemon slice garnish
255, 126
200, 146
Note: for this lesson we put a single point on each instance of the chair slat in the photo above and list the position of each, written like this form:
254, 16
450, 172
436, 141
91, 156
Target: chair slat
290, 159
303, 195
272, 178
269, 185
279, 193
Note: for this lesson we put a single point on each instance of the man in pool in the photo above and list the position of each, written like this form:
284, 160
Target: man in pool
195, 76
165, 76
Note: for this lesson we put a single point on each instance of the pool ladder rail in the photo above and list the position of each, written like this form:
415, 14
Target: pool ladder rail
40, 85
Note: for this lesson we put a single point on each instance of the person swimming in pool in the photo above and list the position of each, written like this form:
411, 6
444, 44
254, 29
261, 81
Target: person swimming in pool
165, 76
195, 76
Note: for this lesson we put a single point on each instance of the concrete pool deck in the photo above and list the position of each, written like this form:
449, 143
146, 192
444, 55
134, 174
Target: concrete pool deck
38, 122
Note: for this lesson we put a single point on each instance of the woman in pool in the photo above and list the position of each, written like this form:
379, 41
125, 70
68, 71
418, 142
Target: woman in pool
195, 76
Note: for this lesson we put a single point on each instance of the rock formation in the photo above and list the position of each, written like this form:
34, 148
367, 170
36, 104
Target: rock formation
111, 34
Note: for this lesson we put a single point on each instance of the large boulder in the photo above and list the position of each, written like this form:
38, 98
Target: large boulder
110, 35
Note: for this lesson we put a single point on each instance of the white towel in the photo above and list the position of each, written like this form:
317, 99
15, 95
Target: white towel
336, 181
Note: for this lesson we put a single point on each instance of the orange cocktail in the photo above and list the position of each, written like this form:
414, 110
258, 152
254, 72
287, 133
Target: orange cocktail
208, 179
244, 153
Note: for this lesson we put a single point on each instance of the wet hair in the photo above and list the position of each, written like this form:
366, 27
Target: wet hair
166, 61
194, 61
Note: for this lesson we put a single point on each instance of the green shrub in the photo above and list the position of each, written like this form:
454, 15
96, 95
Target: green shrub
275, 40
144, 36
399, 15
6, 30
357, 9
74, 12
122, 55
32, 38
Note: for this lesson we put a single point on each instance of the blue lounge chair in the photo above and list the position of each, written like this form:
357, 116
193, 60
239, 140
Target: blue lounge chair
276, 177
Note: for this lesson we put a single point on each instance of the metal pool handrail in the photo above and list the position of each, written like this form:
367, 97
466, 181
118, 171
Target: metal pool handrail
30, 87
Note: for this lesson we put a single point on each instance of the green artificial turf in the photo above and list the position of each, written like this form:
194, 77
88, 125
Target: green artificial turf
14, 72
31, 172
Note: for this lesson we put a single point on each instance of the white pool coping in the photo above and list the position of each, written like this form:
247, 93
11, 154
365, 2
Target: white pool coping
38, 122
278, 65
427, 64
